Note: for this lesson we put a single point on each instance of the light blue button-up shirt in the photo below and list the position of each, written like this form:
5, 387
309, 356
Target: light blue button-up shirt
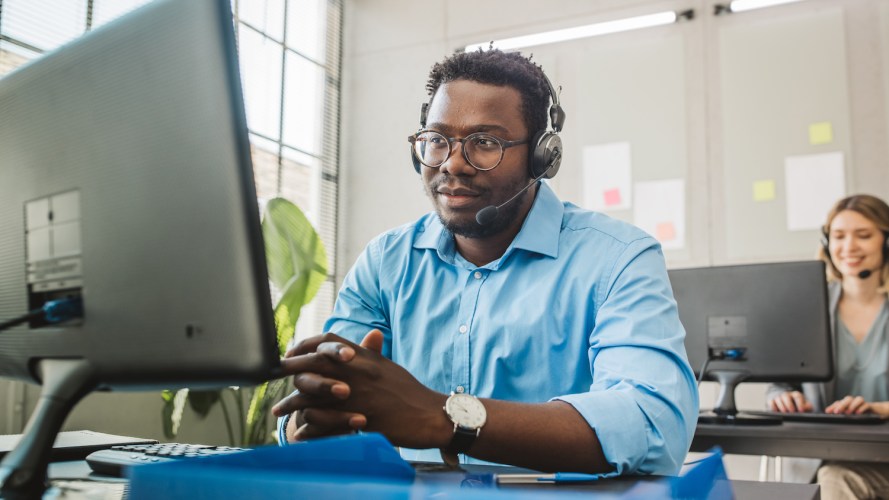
579, 308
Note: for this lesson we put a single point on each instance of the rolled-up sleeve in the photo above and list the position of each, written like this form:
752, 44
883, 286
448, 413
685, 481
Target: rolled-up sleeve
643, 401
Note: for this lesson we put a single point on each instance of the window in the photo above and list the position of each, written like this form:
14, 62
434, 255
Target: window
289, 51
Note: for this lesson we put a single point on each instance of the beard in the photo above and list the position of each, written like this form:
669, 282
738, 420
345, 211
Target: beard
506, 215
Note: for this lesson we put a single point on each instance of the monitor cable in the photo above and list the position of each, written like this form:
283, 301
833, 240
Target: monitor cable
727, 354
53, 311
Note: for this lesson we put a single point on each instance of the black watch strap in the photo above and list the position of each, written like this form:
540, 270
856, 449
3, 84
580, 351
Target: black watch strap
462, 440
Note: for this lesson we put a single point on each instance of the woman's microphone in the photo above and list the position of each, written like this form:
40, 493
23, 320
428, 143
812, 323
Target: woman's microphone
865, 274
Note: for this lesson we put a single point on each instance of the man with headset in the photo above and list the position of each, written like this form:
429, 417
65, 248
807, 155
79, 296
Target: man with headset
507, 326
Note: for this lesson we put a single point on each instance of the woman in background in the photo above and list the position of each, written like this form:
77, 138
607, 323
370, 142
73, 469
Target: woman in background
855, 247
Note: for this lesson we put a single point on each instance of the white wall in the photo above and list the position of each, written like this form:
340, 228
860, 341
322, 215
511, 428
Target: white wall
672, 91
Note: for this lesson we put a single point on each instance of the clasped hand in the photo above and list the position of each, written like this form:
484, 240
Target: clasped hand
345, 387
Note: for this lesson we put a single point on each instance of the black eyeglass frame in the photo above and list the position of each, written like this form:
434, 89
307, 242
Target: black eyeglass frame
504, 145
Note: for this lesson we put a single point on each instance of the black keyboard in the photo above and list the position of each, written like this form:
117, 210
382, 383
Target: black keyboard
115, 460
830, 418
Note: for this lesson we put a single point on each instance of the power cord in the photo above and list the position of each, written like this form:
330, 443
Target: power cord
53, 311
703, 370
727, 354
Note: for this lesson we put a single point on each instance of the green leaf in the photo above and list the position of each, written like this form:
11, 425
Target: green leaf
174, 407
202, 401
296, 260
264, 396
167, 413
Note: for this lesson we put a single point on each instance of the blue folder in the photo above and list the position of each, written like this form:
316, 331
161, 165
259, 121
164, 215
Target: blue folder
368, 467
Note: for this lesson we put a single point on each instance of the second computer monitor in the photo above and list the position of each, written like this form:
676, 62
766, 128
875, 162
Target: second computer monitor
756, 323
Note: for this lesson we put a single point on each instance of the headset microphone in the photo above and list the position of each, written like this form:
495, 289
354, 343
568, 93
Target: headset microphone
487, 215
865, 274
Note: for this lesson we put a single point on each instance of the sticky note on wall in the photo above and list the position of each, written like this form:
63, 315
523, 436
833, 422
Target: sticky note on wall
820, 133
764, 190
612, 197
666, 231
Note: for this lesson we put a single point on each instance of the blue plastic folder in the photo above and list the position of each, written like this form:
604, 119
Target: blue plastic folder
368, 467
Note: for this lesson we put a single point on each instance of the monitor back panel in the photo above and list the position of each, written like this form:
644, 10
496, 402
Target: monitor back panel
126, 175
776, 314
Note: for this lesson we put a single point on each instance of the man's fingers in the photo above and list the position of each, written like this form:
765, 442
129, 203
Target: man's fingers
284, 406
336, 350
373, 341
327, 360
311, 344
314, 390
317, 386
322, 422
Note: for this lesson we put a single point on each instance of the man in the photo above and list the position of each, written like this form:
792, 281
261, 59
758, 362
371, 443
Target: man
553, 329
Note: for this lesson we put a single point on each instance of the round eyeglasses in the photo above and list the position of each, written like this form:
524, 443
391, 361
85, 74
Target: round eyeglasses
482, 151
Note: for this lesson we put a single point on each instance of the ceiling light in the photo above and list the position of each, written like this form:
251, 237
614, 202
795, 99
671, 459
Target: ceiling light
604, 28
744, 5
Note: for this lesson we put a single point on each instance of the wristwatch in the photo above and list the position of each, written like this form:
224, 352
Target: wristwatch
468, 415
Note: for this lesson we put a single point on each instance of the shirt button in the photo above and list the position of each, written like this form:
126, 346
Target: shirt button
477, 275
463, 328
459, 389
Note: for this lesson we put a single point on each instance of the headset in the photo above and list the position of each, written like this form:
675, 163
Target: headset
545, 155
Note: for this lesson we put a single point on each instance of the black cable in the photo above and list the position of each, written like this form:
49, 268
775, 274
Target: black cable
53, 311
703, 370
33, 314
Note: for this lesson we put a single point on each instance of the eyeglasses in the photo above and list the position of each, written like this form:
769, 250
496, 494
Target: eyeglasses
482, 151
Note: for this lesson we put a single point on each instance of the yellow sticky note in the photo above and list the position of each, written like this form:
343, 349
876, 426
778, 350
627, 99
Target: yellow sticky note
820, 133
764, 190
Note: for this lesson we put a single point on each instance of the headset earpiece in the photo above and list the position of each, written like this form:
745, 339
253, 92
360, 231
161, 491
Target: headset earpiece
424, 111
546, 155
885, 245
546, 147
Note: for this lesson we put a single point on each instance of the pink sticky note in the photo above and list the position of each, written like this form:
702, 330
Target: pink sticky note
612, 197
665, 231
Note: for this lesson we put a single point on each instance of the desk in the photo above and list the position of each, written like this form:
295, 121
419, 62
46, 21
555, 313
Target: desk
744, 490
867, 443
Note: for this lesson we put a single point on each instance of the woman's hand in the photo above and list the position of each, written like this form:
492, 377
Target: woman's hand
790, 402
853, 405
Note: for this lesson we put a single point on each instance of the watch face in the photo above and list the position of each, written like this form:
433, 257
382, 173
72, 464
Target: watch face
466, 411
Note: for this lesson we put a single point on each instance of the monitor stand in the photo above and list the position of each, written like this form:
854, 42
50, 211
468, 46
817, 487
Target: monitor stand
725, 412
23, 470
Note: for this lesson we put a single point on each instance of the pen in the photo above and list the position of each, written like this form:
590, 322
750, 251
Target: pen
558, 477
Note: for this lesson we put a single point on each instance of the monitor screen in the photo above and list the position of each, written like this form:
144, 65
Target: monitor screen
755, 322
127, 187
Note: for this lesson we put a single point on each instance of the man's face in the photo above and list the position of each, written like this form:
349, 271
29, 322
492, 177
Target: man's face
457, 190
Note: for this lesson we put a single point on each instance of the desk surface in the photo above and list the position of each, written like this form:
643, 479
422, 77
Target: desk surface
114, 488
868, 443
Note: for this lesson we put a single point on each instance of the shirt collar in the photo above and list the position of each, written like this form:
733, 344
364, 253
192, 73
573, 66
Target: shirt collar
539, 233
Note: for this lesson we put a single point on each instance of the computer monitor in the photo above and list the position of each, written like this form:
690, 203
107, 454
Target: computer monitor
126, 182
756, 323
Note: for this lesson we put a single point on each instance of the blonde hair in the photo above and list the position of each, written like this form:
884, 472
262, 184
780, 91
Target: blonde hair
873, 209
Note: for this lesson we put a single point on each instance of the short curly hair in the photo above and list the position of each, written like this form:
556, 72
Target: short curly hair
496, 67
